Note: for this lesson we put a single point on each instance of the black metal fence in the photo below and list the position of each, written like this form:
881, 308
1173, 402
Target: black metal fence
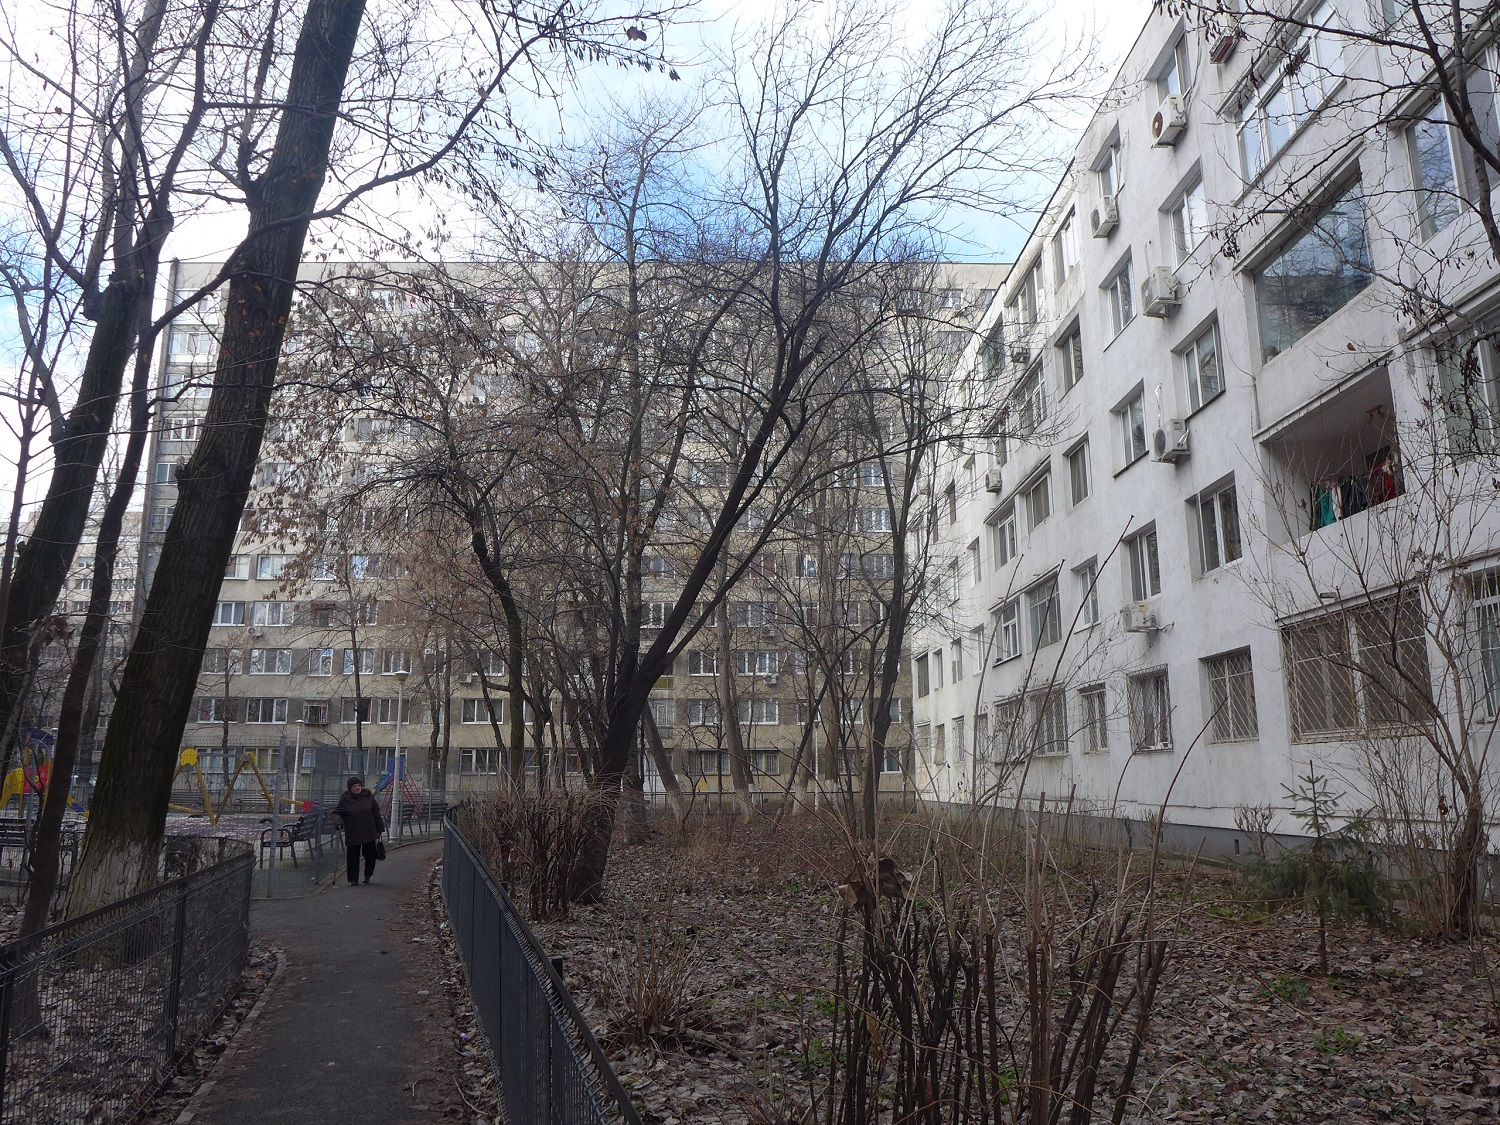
95, 1011
551, 1069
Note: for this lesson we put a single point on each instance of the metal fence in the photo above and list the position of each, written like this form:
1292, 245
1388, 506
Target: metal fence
551, 1069
95, 1011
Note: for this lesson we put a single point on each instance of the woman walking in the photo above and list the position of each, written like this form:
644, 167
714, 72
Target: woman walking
359, 814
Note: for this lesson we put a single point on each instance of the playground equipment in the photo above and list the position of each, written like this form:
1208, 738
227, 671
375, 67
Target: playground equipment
187, 762
31, 777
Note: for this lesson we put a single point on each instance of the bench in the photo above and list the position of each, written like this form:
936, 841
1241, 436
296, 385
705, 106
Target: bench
307, 830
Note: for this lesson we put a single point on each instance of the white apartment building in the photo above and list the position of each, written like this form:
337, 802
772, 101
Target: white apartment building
1238, 470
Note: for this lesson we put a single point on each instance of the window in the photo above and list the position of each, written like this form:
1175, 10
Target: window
393, 661
1132, 422
212, 709
162, 472
160, 519
765, 761
1065, 247
270, 661
950, 342
315, 713
937, 669
760, 712
1469, 380
1095, 732
1177, 76
1044, 613
1201, 360
975, 561
181, 427
1078, 472
763, 566
1315, 275
229, 613
703, 664
354, 709
1003, 536
653, 615
940, 745
271, 613
271, 566
658, 566
1030, 409
1118, 296
1070, 359
1486, 591
702, 712
709, 473
880, 566
221, 661
1145, 567
1289, 94
480, 710
1189, 221
258, 710
1087, 577
385, 709
479, 759
872, 474
955, 660
1008, 630
320, 662
1110, 170
663, 713
1219, 525
1231, 697
1038, 499
950, 502
361, 658
1359, 670
875, 520
923, 676
1150, 712
1433, 172
1048, 714
757, 662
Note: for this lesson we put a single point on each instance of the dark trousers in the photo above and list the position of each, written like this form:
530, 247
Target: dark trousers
352, 860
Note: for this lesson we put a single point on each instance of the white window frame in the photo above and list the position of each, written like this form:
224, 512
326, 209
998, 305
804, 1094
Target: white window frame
1150, 698
1144, 554
1080, 474
1119, 299
1189, 216
1204, 350
703, 663
1003, 536
1038, 498
1131, 419
1231, 697
1008, 631
1070, 363
1093, 705
1044, 613
229, 613
257, 705
1088, 592
270, 662
1217, 508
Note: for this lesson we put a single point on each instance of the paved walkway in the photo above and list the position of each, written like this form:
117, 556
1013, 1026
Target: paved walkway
339, 1039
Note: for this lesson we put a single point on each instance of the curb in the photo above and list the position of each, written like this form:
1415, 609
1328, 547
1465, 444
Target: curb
189, 1111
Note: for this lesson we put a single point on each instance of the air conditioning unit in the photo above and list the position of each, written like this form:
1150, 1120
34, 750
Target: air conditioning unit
1169, 122
1104, 218
769, 681
1159, 293
1138, 617
1222, 41
468, 677
768, 632
1020, 355
992, 481
254, 631
1170, 442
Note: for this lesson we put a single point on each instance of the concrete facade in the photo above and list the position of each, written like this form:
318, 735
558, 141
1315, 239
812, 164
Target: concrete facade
1138, 624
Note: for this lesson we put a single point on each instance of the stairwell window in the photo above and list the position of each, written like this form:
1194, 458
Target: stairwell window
1078, 472
1087, 577
1130, 418
1039, 502
1008, 631
1468, 378
1189, 221
1434, 172
1205, 382
1003, 536
1070, 359
1045, 613
1486, 591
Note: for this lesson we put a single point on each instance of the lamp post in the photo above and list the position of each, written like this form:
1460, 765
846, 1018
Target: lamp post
297, 760
397, 773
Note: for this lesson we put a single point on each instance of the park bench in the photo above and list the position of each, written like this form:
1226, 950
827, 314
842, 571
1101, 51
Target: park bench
306, 830
16, 836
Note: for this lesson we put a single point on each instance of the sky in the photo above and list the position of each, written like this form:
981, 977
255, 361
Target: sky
1113, 24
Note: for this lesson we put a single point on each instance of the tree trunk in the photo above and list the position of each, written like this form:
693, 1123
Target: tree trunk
669, 783
1464, 855
729, 718
140, 752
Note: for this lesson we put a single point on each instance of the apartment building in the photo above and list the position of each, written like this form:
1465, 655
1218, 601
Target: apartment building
317, 644
1239, 517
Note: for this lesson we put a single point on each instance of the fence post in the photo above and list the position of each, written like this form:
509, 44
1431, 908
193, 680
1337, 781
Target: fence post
8, 970
174, 986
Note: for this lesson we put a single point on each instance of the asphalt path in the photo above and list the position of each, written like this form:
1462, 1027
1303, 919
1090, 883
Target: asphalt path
338, 1038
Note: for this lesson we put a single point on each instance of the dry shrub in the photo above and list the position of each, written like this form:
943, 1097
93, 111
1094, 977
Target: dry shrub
533, 843
651, 988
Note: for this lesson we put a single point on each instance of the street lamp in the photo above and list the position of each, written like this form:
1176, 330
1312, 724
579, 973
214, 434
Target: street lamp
397, 773
297, 760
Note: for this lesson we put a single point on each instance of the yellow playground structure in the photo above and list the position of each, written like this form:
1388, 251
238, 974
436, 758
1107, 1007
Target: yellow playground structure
33, 774
187, 762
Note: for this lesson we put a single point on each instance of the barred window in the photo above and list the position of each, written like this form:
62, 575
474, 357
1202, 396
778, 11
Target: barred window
1358, 670
1150, 711
1487, 624
1231, 697
1049, 721
1091, 702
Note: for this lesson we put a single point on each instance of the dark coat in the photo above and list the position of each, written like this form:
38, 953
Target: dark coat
360, 816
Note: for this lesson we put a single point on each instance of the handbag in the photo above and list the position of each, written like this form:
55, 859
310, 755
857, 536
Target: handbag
379, 850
